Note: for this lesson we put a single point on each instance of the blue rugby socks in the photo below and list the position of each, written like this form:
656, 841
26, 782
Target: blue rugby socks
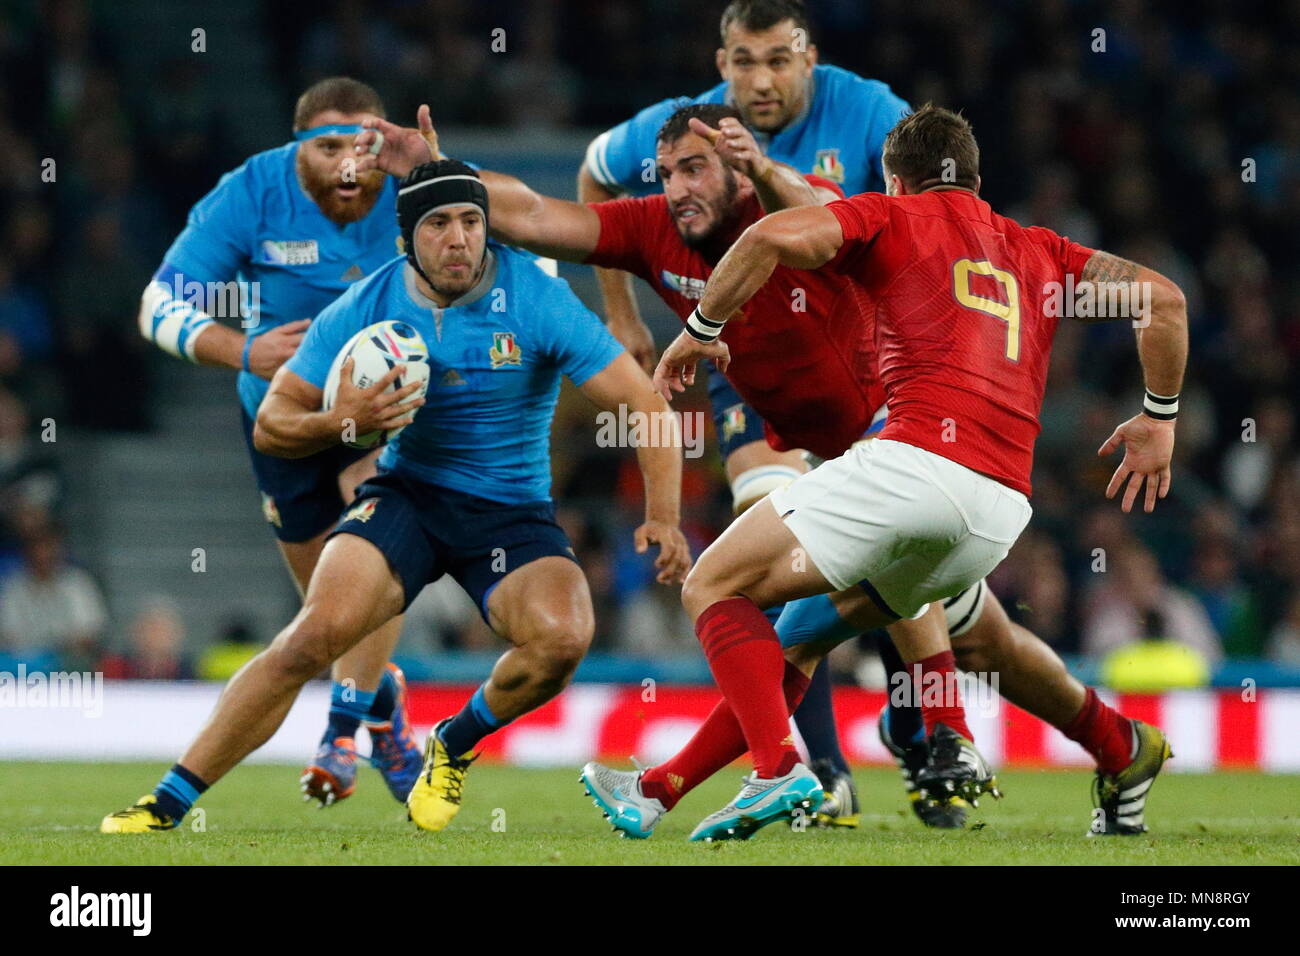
815, 719
177, 791
348, 707
381, 709
475, 721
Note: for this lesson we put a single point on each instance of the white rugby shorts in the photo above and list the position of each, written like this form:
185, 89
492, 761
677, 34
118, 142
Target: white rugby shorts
909, 525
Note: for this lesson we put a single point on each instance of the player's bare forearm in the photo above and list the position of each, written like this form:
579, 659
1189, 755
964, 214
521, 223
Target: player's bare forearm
779, 186
1155, 303
220, 346
661, 461
1162, 342
545, 225
803, 238
622, 387
287, 429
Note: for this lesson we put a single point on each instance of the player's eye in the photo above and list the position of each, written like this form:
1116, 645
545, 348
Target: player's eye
777, 62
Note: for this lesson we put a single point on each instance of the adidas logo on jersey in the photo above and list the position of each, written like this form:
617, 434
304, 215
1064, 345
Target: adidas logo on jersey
452, 377
353, 274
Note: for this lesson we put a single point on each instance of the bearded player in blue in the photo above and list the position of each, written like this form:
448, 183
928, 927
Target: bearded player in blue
823, 120
275, 242
463, 490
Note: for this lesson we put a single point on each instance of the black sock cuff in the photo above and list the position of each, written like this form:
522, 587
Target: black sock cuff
189, 777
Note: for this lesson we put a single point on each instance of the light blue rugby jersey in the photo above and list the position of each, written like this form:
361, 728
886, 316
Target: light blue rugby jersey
495, 354
258, 225
839, 135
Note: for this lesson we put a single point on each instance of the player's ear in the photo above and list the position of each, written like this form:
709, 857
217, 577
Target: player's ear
977, 184
720, 58
811, 60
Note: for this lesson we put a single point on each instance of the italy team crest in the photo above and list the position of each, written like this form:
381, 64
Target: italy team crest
733, 422
828, 165
505, 350
362, 510
269, 511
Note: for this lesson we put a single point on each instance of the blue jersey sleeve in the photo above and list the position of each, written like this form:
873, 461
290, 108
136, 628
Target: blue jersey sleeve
623, 158
218, 236
326, 336
576, 340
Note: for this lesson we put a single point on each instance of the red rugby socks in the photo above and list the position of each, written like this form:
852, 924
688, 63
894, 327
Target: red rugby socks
1104, 732
717, 743
939, 693
748, 665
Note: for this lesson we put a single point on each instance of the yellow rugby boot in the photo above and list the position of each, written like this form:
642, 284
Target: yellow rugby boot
436, 796
139, 818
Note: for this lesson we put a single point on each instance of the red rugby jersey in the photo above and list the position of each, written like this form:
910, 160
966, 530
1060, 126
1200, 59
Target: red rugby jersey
801, 352
961, 333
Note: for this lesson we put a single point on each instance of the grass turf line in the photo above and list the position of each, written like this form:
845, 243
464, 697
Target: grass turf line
49, 814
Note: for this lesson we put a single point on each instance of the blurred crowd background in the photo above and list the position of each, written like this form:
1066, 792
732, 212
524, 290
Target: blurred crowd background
1177, 146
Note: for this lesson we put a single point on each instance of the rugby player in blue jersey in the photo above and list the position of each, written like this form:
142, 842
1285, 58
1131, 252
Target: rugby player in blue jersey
462, 490
822, 120
291, 229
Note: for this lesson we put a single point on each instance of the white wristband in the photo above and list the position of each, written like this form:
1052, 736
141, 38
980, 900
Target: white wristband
706, 330
1163, 407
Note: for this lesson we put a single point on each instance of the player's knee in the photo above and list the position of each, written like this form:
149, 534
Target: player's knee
701, 589
306, 648
556, 641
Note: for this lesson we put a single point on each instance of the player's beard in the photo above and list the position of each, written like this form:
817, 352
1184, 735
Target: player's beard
335, 208
725, 214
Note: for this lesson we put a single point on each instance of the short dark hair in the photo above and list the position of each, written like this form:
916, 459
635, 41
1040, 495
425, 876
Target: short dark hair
756, 15
932, 146
679, 124
341, 93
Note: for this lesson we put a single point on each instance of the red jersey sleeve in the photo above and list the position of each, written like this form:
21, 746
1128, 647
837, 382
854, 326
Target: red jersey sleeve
1074, 256
861, 217
825, 184
1071, 256
626, 229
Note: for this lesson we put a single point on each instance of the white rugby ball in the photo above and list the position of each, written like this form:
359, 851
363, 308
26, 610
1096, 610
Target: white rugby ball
376, 349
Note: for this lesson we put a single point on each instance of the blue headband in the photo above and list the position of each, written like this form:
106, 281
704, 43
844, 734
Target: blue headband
334, 129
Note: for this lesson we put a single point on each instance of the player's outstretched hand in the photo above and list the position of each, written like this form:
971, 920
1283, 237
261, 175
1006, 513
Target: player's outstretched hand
395, 149
676, 368
274, 347
1148, 449
674, 553
735, 144
372, 409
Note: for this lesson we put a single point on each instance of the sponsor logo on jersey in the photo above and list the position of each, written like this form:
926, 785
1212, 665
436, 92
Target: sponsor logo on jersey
686, 286
353, 274
828, 165
453, 377
505, 350
733, 422
270, 512
291, 252
362, 511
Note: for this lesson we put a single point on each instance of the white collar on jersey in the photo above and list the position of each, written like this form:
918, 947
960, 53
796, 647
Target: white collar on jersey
471, 296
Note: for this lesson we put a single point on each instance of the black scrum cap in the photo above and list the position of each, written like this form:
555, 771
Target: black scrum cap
430, 187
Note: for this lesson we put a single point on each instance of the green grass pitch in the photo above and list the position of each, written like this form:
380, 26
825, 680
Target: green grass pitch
49, 813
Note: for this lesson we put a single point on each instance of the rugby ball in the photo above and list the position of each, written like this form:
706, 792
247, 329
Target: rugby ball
376, 349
